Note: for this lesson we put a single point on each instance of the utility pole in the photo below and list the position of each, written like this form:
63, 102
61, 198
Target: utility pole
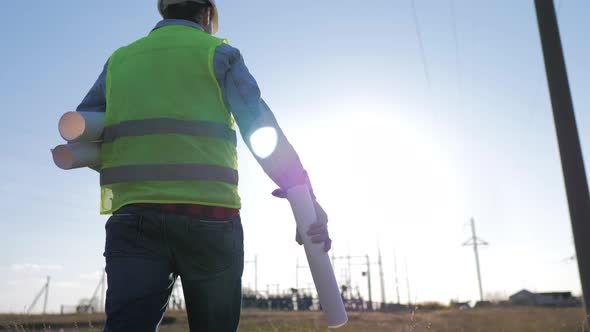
396, 279
370, 306
475, 242
381, 277
572, 161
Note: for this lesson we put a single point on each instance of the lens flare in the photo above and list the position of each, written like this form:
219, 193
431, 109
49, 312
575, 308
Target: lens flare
264, 141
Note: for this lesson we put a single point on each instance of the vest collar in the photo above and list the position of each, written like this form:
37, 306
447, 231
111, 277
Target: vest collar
167, 22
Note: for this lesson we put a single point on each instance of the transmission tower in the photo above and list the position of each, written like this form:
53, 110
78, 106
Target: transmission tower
360, 261
175, 301
408, 284
98, 295
476, 242
255, 262
103, 290
396, 278
44, 291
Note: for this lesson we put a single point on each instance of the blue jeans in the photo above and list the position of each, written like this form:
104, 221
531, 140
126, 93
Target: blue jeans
146, 250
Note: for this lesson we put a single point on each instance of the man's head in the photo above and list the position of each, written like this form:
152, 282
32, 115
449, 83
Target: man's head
203, 12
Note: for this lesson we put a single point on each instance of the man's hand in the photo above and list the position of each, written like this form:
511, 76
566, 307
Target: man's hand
318, 231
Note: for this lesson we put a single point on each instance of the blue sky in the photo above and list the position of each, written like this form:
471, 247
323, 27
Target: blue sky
391, 160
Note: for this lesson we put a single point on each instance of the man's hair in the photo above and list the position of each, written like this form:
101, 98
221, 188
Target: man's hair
189, 10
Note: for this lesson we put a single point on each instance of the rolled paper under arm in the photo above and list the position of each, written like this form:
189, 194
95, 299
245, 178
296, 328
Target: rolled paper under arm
81, 126
76, 155
318, 260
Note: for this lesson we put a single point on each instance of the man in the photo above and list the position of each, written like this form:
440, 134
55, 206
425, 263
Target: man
169, 170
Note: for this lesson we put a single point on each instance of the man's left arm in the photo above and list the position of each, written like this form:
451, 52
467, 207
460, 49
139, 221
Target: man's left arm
95, 100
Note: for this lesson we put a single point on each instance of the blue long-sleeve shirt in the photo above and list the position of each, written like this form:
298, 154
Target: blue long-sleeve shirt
242, 97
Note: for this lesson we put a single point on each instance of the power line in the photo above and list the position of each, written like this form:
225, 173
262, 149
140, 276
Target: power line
425, 66
421, 45
458, 63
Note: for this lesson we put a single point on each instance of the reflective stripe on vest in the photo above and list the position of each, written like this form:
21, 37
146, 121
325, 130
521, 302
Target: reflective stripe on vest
169, 126
168, 172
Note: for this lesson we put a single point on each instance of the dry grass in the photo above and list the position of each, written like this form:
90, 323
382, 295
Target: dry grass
480, 320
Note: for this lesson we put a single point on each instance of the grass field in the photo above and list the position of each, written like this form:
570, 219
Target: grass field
480, 320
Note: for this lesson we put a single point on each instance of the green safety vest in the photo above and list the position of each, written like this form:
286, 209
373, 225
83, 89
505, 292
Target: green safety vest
168, 136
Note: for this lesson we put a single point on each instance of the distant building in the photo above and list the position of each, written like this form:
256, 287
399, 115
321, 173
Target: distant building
483, 304
460, 305
551, 299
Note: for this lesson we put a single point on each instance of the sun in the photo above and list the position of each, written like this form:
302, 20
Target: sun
381, 174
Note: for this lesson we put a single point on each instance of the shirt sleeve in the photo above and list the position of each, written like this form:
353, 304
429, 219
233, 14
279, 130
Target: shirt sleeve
95, 100
243, 98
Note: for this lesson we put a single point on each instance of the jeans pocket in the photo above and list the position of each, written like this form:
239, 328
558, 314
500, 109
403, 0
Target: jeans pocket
212, 225
215, 244
122, 233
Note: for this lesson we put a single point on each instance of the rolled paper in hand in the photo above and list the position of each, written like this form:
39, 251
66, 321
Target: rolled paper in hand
81, 126
319, 263
77, 155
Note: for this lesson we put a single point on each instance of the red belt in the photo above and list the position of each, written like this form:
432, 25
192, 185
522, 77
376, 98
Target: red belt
194, 210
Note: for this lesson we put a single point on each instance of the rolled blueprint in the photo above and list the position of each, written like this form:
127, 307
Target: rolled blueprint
76, 155
318, 260
81, 126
